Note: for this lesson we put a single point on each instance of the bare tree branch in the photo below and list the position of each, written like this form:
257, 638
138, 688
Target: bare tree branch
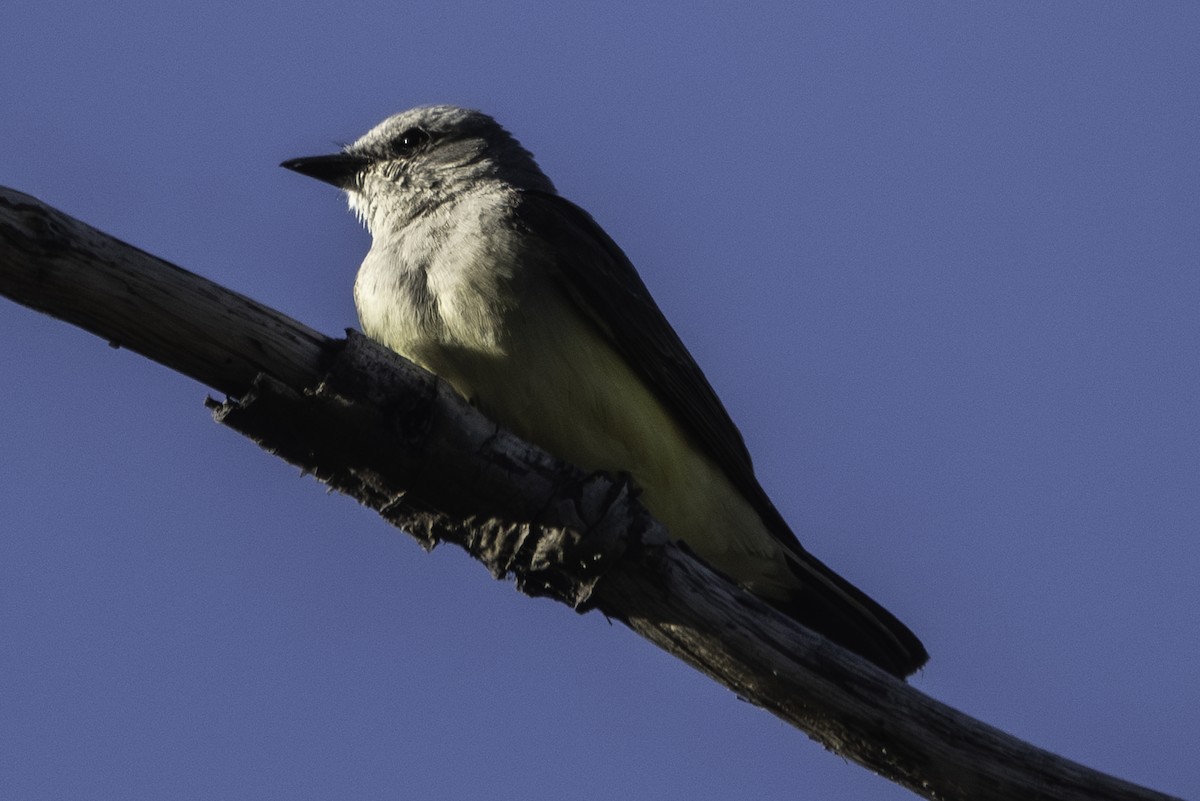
378, 428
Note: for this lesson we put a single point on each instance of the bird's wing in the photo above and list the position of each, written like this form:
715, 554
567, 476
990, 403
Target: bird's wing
598, 277
602, 282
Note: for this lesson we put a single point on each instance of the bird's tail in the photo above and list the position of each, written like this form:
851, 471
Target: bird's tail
835, 608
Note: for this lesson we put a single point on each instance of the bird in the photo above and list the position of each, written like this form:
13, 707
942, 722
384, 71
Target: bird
480, 272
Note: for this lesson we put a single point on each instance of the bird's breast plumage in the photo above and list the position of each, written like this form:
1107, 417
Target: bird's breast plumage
444, 280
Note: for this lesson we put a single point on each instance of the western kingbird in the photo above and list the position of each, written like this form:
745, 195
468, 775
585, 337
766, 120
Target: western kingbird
481, 273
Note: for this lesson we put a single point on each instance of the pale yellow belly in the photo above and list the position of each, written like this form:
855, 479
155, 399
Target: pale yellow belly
555, 381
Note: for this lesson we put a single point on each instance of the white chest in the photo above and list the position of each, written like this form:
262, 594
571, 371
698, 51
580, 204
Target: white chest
448, 279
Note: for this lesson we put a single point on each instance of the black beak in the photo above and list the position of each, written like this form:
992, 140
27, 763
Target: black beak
338, 169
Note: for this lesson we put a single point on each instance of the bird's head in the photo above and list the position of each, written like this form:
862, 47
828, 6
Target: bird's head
418, 159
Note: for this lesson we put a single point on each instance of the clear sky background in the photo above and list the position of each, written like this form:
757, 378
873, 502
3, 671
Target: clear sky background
941, 261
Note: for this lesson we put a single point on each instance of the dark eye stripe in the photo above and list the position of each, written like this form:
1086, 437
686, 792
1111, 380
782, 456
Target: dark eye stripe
408, 141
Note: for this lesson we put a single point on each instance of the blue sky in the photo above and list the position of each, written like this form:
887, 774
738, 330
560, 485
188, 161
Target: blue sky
941, 261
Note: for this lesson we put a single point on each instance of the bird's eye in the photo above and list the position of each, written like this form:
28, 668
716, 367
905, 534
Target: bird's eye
408, 141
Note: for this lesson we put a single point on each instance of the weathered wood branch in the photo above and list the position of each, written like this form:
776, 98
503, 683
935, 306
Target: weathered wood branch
378, 428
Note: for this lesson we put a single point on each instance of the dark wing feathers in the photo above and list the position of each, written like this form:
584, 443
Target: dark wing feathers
618, 302
607, 288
